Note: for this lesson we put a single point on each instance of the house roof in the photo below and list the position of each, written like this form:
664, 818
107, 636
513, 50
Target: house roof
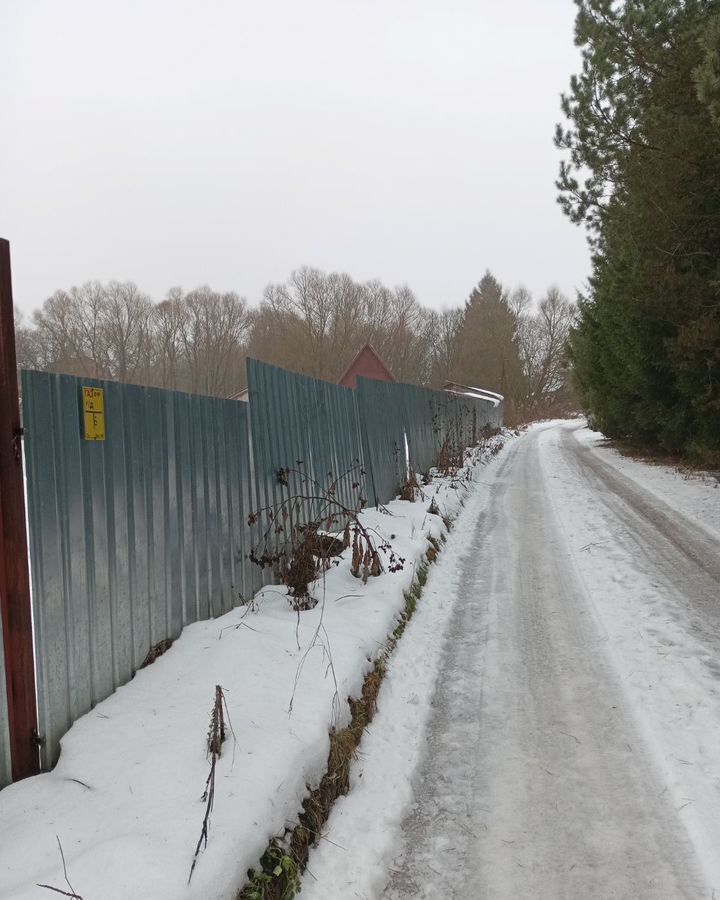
366, 357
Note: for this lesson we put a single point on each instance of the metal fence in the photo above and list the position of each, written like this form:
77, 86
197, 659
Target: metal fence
133, 536
139, 512
5, 764
405, 426
308, 427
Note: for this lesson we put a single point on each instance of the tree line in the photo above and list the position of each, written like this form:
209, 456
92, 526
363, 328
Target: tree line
313, 323
642, 173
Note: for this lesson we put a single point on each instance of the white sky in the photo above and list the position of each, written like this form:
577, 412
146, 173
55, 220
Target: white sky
178, 143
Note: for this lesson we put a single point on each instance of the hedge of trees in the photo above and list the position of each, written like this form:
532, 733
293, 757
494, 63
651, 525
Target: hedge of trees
642, 173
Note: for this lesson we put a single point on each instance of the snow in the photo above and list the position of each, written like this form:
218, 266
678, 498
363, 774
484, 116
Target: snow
364, 827
124, 800
549, 724
695, 495
665, 656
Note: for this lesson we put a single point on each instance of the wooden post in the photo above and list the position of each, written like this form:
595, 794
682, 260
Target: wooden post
14, 572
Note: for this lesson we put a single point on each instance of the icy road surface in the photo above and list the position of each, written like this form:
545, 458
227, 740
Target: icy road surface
571, 748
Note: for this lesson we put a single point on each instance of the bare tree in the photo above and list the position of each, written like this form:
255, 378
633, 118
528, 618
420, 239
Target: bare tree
314, 323
125, 316
446, 328
166, 328
27, 348
543, 338
213, 329
69, 331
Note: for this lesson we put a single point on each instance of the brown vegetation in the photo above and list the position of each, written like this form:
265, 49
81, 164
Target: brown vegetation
313, 323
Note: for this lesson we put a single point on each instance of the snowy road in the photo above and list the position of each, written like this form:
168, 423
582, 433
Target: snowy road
572, 747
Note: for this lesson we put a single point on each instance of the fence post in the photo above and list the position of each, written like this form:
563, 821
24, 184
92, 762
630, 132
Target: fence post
14, 574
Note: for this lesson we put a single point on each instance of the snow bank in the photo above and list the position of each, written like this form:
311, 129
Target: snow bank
125, 798
364, 829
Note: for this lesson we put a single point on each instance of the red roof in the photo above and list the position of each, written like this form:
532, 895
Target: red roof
367, 364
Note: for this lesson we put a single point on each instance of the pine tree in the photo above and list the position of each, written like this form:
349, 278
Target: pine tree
643, 174
490, 356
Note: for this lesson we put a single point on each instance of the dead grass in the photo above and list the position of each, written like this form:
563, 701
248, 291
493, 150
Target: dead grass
411, 489
655, 457
450, 458
156, 651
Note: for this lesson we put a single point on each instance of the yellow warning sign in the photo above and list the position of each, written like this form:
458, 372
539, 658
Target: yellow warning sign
94, 413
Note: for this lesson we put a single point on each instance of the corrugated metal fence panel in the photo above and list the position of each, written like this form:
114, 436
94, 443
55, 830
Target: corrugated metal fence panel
5, 764
382, 416
424, 425
131, 538
310, 426
134, 537
392, 413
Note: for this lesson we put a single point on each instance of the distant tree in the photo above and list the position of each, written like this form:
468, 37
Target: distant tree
490, 352
28, 351
404, 340
316, 322
193, 341
124, 323
446, 328
543, 340
213, 328
313, 323
69, 331
166, 329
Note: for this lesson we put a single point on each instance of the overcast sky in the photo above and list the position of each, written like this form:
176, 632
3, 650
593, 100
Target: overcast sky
229, 142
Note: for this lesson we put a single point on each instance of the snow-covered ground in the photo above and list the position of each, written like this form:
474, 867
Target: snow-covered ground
124, 802
549, 727
696, 496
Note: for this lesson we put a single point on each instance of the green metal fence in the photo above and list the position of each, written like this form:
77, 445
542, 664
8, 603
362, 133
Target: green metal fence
149, 527
405, 426
131, 537
309, 431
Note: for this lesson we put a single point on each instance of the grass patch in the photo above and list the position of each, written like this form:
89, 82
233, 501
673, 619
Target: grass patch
410, 490
277, 877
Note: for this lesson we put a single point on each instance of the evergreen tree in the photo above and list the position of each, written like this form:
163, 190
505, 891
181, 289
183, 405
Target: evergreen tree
643, 174
490, 355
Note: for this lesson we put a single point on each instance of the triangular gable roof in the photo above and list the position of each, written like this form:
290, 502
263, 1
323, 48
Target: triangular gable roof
367, 351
